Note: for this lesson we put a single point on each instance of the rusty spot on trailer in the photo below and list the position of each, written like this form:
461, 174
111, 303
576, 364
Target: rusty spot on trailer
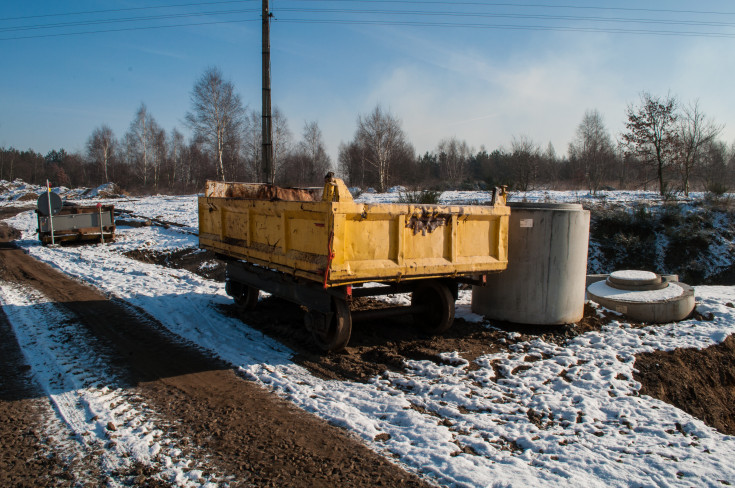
427, 222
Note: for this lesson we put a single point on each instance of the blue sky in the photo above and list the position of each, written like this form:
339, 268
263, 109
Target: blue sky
533, 74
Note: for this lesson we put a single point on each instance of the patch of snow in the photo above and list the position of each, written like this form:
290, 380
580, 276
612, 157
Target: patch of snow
632, 275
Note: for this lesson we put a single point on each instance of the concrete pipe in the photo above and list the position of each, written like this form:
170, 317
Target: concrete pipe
547, 267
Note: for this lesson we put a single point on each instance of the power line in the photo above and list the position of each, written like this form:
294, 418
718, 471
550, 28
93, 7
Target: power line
531, 5
128, 19
376, 12
513, 27
407, 24
123, 29
517, 16
88, 12
406, 2
392, 12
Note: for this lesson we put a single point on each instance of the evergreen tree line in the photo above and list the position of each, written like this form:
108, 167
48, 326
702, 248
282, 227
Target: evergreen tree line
666, 145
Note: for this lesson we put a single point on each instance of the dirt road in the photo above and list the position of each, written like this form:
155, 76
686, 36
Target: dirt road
225, 429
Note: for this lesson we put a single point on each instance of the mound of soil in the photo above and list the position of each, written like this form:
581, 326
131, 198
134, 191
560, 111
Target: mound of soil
199, 261
380, 345
700, 382
30, 196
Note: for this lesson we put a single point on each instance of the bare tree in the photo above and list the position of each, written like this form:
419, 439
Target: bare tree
101, 148
551, 167
714, 166
651, 133
592, 149
310, 162
139, 141
159, 153
352, 164
253, 145
380, 138
453, 155
695, 132
282, 142
525, 158
175, 159
8, 154
216, 116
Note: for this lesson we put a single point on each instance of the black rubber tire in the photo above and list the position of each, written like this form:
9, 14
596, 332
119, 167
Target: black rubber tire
340, 328
436, 297
248, 299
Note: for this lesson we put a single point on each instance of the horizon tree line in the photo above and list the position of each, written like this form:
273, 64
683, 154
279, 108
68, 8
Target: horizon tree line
665, 144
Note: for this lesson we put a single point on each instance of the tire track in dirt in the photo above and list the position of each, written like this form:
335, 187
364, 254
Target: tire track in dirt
26, 460
104, 429
247, 432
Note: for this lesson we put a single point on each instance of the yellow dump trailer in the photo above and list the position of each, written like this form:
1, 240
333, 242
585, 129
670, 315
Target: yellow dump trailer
318, 248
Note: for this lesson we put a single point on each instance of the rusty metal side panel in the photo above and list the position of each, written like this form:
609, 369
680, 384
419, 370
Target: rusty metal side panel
398, 241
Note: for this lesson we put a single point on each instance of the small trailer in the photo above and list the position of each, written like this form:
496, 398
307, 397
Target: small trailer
319, 249
59, 223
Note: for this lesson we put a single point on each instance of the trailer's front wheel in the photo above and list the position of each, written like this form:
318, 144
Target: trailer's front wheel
435, 306
245, 296
335, 335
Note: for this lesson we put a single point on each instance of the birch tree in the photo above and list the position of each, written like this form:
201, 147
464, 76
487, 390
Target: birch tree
177, 171
139, 142
253, 145
592, 149
101, 148
380, 137
216, 116
282, 142
312, 159
159, 153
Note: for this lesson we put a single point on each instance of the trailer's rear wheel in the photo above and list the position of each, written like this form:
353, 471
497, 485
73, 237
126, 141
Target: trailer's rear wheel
435, 305
335, 335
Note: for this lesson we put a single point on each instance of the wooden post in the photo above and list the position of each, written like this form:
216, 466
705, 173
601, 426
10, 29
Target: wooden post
102, 230
50, 216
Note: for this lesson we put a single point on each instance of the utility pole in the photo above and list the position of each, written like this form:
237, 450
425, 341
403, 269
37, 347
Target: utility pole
267, 120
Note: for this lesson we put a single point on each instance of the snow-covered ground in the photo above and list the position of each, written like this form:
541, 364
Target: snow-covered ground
569, 416
540, 196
